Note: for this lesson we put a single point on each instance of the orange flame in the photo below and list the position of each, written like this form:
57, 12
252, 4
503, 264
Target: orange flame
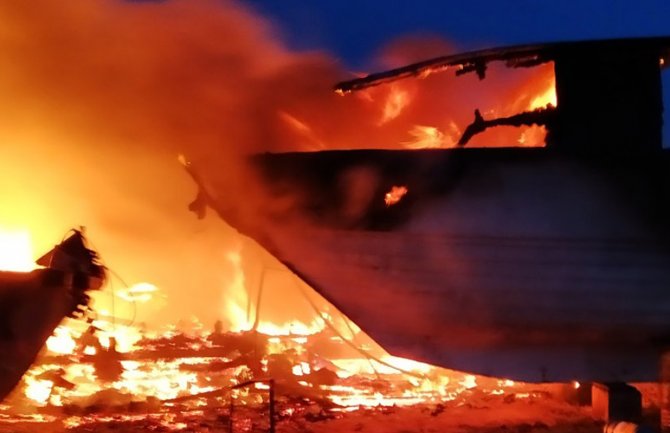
61, 341
16, 252
546, 97
396, 101
236, 299
395, 194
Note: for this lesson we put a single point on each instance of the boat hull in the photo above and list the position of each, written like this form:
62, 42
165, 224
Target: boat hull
516, 263
32, 304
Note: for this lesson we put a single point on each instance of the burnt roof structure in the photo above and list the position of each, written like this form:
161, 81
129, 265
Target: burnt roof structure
608, 91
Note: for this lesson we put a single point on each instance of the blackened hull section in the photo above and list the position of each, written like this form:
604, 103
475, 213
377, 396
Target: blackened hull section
529, 310
32, 304
514, 263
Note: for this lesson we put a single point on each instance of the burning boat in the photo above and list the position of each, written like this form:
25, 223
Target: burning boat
34, 303
536, 264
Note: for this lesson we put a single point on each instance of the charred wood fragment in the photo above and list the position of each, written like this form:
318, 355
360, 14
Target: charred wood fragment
541, 116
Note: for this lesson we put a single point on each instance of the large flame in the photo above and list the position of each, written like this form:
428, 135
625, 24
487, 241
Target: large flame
16, 252
237, 302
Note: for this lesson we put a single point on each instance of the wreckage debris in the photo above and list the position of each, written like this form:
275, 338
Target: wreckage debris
32, 304
217, 363
541, 116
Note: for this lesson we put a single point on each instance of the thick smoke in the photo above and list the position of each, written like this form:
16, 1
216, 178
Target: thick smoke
99, 98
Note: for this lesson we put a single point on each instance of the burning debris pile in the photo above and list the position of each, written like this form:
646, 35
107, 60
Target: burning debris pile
126, 379
98, 372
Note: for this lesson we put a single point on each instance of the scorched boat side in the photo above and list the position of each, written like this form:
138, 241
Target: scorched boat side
33, 303
544, 264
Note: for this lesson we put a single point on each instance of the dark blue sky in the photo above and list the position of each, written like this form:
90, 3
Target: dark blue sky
356, 30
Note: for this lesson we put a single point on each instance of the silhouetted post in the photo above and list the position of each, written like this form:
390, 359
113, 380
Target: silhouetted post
272, 405
232, 409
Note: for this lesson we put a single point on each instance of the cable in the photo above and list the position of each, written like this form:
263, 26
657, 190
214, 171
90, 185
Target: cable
353, 335
111, 284
350, 343
327, 323
132, 300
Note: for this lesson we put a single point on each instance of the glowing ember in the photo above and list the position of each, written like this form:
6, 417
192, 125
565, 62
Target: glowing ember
16, 252
162, 379
469, 382
397, 192
125, 337
301, 369
61, 341
38, 390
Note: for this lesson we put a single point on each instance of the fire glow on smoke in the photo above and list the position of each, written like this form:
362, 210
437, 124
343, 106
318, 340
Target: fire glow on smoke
94, 143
